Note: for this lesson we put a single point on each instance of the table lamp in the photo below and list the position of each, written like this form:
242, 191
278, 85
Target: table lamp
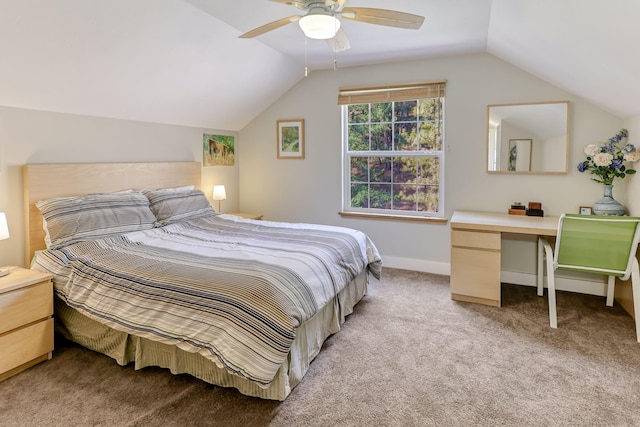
4, 234
219, 193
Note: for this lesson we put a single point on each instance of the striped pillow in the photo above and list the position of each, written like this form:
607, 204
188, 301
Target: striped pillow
173, 206
68, 220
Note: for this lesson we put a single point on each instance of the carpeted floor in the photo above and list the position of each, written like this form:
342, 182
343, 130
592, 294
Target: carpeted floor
407, 356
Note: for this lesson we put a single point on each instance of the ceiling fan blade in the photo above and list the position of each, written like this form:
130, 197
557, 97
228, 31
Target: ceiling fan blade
298, 4
270, 26
390, 18
340, 42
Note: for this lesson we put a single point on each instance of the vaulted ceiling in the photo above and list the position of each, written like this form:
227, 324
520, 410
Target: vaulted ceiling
181, 61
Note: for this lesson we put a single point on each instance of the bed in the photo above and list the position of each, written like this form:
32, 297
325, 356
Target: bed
146, 272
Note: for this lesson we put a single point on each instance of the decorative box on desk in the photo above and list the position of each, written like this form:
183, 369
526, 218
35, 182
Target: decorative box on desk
535, 209
26, 322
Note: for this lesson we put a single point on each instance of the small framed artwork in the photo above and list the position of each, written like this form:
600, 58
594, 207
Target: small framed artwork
586, 210
218, 150
290, 139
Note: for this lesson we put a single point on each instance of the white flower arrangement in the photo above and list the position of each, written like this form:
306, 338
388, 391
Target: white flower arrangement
607, 160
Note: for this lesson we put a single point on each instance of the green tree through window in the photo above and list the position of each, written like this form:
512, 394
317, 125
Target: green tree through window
393, 155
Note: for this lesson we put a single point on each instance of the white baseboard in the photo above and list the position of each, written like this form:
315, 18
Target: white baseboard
444, 268
562, 283
412, 264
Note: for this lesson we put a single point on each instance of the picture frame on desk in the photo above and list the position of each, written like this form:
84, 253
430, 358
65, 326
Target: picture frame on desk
585, 210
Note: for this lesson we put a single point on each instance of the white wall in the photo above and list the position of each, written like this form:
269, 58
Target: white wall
633, 187
552, 150
29, 136
309, 190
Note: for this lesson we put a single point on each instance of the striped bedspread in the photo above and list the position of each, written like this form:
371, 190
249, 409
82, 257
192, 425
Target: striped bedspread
230, 289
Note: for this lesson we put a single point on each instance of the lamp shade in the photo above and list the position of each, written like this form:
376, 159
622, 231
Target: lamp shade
4, 228
219, 193
319, 26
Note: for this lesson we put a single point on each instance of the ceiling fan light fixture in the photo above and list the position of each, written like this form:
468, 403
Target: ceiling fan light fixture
319, 26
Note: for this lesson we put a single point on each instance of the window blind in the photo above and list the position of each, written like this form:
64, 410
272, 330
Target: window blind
403, 92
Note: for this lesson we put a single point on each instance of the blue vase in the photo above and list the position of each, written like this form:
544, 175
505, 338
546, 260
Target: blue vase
608, 205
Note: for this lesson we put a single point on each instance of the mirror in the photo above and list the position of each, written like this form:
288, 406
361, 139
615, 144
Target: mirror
528, 138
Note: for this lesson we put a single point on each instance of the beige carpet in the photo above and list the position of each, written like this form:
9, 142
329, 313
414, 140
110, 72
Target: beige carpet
408, 356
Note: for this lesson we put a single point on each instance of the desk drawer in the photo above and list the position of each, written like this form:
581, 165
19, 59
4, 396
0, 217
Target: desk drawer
475, 239
475, 273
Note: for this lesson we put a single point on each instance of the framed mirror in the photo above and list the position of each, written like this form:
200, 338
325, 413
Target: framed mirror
528, 138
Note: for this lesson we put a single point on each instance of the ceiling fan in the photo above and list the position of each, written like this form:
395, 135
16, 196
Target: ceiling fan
321, 20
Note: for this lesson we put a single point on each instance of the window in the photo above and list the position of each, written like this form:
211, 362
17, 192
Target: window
393, 149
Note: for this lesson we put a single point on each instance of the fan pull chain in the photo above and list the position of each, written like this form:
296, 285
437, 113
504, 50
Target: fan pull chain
306, 70
335, 45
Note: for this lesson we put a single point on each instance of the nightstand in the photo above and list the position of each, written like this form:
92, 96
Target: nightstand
247, 215
26, 320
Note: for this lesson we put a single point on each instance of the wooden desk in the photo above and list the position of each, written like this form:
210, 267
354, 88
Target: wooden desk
476, 242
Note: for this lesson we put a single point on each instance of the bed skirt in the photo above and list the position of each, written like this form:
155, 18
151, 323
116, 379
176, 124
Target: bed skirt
126, 348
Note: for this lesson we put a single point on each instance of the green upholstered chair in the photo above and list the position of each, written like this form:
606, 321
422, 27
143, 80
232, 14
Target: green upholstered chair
594, 244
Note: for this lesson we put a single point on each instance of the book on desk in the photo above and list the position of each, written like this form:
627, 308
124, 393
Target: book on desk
534, 209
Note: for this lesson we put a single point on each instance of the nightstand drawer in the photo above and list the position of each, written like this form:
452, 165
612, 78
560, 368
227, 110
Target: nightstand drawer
25, 305
25, 344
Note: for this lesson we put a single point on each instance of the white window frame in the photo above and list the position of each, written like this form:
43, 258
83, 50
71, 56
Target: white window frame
346, 170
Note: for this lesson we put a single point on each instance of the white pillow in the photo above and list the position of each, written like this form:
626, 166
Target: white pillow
68, 220
172, 206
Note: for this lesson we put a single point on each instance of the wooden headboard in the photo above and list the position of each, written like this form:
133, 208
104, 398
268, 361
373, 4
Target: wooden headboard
45, 181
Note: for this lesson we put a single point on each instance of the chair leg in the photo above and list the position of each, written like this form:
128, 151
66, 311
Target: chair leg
551, 283
551, 289
540, 276
610, 285
635, 289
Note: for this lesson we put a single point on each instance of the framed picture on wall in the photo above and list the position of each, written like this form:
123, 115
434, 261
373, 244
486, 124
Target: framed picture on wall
290, 139
520, 155
218, 150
